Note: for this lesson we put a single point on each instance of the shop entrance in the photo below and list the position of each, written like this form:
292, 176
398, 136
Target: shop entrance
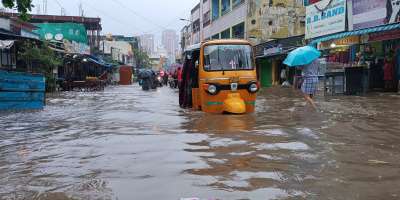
265, 73
391, 65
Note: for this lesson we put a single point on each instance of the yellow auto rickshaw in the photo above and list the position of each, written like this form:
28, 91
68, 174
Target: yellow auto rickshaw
219, 76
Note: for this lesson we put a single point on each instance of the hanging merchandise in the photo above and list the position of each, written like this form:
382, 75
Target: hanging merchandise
6, 44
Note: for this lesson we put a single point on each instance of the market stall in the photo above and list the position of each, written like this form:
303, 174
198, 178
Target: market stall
364, 49
369, 62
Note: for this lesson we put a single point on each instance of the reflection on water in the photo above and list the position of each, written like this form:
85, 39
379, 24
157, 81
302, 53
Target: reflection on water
127, 144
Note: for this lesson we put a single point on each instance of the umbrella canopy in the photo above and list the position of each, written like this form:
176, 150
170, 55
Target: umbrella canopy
302, 56
146, 73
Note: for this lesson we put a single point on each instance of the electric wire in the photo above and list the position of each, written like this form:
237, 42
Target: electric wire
137, 14
124, 24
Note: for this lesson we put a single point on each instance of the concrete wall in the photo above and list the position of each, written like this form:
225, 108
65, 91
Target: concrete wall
196, 15
280, 20
5, 24
264, 20
119, 50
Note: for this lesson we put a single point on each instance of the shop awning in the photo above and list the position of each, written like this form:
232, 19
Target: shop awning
357, 32
99, 61
278, 47
8, 35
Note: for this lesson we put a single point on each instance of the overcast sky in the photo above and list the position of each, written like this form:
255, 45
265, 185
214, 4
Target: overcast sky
127, 17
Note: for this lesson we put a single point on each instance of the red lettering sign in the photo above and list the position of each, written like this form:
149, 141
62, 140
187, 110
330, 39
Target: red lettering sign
390, 35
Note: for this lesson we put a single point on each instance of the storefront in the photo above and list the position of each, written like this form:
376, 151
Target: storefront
270, 57
373, 52
365, 49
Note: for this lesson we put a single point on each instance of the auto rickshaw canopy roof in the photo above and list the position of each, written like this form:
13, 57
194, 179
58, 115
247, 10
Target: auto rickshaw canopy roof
216, 42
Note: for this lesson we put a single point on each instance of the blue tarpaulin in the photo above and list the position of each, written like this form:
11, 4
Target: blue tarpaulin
21, 91
99, 61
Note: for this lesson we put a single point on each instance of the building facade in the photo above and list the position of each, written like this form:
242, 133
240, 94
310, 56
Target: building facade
255, 20
359, 42
170, 42
195, 19
147, 43
92, 25
227, 19
120, 51
276, 19
186, 34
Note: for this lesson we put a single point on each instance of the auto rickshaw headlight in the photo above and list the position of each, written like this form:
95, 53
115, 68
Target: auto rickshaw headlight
212, 89
253, 88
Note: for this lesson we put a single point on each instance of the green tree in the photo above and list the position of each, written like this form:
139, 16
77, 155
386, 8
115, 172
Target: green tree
142, 58
40, 58
23, 6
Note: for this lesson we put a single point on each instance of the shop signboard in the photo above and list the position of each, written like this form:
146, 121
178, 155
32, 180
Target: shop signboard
72, 35
371, 13
390, 35
29, 34
325, 17
273, 50
347, 41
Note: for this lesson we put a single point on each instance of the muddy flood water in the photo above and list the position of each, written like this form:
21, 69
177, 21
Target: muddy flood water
126, 144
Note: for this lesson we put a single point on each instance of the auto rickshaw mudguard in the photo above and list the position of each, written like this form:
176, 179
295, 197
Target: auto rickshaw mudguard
234, 104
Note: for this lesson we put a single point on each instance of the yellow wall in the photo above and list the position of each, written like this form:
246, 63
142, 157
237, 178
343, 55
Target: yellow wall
266, 22
275, 72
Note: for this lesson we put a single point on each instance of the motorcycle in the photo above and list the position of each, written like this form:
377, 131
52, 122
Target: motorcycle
147, 84
172, 82
148, 80
159, 81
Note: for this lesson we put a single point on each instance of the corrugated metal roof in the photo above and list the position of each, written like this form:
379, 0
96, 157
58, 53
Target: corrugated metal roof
357, 32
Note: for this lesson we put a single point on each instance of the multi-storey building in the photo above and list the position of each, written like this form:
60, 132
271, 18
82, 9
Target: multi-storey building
147, 43
227, 19
186, 34
170, 42
215, 19
277, 19
195, 19
254, 20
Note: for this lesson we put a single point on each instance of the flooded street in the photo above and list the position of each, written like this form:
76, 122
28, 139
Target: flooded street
127, 144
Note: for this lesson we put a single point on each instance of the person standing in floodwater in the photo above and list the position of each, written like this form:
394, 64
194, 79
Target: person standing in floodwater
389, 71
309, 87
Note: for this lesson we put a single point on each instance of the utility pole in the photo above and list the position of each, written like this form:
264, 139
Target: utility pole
45, 7
63, 12
38, 9
81, 11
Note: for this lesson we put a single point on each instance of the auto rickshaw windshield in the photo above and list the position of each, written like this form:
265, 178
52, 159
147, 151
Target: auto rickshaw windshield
228, 58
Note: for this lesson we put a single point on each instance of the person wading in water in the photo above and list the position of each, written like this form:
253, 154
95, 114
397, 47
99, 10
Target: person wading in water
310, 83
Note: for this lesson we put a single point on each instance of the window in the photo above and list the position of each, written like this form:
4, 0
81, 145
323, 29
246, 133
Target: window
7, 57
196, 26
226, 6
238, 31
195, 8
206, 19
4, 58
226, 34
228, 57
215, 37
215, 9
236, 3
